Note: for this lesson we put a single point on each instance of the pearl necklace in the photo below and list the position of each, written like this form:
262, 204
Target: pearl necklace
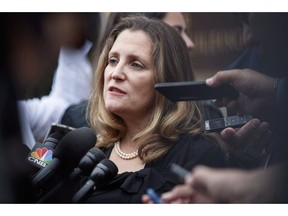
124, 155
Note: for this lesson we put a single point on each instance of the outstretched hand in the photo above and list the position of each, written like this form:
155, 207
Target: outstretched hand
256, 90
249, 142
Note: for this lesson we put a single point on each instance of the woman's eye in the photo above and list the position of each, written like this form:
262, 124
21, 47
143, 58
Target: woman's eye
112, 61
137, 65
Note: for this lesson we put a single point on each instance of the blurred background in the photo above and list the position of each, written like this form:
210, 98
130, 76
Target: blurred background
218, 39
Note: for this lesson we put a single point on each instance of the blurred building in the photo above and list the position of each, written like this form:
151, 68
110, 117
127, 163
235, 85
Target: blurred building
218, 39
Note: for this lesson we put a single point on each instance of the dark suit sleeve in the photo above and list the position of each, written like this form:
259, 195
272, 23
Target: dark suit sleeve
75, 115
282, 116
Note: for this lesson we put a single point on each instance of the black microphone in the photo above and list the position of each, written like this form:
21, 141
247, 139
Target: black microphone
67, 155
103, 172
63, 191
42, 153
53, 140
88, 162
55, 134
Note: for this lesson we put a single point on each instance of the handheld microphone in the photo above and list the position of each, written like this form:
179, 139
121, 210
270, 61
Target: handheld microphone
103, 172
42, 153
88, 162
62, 192
67, 155
53, 139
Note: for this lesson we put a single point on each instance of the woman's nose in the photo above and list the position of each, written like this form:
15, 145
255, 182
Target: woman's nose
118, 73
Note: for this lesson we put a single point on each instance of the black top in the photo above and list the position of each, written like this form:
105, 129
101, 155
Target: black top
128, 187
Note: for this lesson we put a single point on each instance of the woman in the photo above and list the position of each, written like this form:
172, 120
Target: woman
75, 114
139, 129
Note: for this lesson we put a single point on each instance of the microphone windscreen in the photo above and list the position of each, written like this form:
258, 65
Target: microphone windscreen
53, 139
104, 171
92, 157
113, 170
55, 135
74, 145
97, 154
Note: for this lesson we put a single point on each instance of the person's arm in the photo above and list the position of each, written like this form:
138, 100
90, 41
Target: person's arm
239, 186
73, 78
257, 97
37, 115
212, 185
72, 84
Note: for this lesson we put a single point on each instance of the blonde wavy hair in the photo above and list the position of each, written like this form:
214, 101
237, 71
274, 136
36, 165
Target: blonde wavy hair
169, 120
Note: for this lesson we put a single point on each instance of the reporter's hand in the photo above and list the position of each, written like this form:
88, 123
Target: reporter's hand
183, 194
208, 185
248, 143
180, 194
146, 199
240, 186
256, 90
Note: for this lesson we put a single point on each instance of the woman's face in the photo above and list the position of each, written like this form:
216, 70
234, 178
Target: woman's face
128, 77
176, 20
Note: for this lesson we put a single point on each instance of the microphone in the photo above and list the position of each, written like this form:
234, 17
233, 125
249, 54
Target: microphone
62, 192
88, 162
41, 154
103, 172
53, 139
66, 156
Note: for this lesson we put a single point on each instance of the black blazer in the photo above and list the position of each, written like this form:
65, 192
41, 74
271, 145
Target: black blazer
74, 115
